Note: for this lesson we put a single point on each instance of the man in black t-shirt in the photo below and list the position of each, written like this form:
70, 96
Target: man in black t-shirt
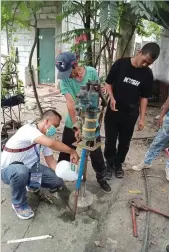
129, 81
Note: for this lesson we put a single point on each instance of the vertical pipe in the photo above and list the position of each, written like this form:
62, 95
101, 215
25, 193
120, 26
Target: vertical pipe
84, 174
79, 180
81, 169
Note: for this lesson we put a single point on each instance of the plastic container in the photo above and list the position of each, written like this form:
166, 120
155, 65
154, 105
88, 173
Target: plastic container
66, 170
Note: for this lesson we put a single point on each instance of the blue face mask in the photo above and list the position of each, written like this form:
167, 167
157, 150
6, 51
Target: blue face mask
51, 131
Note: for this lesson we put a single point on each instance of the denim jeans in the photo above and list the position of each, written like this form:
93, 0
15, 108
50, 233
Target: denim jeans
159, 143
17, 176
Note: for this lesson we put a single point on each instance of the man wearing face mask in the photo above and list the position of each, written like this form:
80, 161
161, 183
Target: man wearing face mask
20, 160
129, 81
72, 77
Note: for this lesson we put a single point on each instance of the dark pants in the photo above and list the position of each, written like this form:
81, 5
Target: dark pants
96, 156
118, 125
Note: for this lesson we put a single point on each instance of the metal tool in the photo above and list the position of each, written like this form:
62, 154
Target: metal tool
88, 110
133, 212
136, 205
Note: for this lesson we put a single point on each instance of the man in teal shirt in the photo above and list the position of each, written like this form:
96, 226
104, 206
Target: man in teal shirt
72, 77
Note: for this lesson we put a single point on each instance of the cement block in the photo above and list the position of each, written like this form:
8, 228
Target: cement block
20, 48
84, 202
27, 48
46, 10
44, 16
53, 9
52, 16
40, 11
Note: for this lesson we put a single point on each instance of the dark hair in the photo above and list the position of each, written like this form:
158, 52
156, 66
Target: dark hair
151, 48
50, 112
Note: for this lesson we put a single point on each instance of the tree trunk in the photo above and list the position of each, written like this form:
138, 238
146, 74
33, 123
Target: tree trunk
105, 59
87, 26
127, 30
30, 66
99, 61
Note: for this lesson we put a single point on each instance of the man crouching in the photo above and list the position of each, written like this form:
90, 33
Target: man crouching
20, 160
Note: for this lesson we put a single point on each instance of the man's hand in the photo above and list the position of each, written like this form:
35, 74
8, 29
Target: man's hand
78, 135
74, 158
113, 104
104, 90
140, 125
160, 122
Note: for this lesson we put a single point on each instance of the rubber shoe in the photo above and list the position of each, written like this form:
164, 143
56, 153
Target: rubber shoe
109, 173
32, 190
167, 174
23, 212
141, 166
119, 172
104, 185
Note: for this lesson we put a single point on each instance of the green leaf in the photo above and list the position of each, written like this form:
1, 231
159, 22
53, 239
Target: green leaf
108, 15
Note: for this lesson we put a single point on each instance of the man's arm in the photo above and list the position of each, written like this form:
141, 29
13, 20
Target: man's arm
51, 162
57, 146
146, 92
111, 78
143, 108
109, 89
164, 111
71, 107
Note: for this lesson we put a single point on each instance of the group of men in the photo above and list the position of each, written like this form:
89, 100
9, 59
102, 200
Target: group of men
128, 84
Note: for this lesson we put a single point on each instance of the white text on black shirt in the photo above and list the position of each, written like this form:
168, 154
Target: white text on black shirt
131, 81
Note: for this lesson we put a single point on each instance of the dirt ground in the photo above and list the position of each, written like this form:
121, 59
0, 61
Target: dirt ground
107, 225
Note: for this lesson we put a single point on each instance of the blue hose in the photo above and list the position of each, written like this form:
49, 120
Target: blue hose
81, 169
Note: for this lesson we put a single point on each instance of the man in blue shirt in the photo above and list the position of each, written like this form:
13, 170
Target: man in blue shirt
159, 142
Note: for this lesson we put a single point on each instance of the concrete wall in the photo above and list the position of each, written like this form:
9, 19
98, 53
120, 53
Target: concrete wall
46, 19
161, 65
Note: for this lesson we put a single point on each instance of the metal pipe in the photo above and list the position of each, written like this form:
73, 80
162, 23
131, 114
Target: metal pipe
81, 169
79, 180
133, 213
